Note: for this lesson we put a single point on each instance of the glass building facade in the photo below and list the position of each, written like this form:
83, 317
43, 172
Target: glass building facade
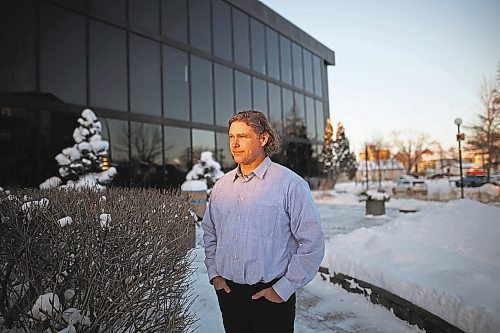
163, 76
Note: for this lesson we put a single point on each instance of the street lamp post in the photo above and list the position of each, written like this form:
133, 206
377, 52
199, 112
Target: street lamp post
460, 137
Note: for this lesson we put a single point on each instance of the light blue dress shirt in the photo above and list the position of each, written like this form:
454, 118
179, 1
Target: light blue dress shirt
261, 227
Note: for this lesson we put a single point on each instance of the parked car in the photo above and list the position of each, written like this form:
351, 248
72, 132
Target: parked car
410, 185
472, 181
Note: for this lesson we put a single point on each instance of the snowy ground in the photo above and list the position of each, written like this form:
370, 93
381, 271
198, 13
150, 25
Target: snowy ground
445, 258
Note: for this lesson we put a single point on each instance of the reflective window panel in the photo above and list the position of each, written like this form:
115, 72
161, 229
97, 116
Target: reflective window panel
202, 141
286, 60
201, 91
116, 132
145, 86
112, 8
146, 154
223, 155
241, 38
221, 19
243, 92
310, 118
275, 115
224, 100
62, 54
174, 19
258, 46
273, 65
308, 72
107, 66
298, 80
320, 120
259, 95
177, 143
318, 89
175, 83
199, 25
144, 14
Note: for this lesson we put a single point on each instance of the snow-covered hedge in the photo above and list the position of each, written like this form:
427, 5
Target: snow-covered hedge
86, 261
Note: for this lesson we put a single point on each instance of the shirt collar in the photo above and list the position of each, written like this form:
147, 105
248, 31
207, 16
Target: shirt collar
260, 171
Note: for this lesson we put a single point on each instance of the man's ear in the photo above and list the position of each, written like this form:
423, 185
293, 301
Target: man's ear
264, 138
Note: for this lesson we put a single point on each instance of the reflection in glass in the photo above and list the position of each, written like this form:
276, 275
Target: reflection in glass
199, 25
116, 132
223, 155
202, 141
275, 115
224, 100
144, 14
243, 92
107, 66
273, 66
62, 54
318, 89
146, 154
259, 95
320, 120
222, 29
299, 105
297, 66
176, 83
308, 71
288, 102
310, 118
241, 38
297, 148
145, 89
286, 60
177, 143
201, 91
174, 19
258, 46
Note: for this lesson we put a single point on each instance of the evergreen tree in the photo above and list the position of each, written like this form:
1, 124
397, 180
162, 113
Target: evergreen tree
336, 157
85, 164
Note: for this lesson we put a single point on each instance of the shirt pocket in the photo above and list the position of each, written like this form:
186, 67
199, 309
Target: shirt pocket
268, 217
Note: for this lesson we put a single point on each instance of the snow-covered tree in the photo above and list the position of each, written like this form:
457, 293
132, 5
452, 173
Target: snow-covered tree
204, 173
85, 164
336, 157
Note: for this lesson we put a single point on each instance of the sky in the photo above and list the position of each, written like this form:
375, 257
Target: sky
402, 66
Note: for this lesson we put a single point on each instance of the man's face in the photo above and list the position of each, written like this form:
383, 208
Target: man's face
246, 146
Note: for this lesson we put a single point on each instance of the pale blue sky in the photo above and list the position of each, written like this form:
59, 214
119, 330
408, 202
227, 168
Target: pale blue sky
402, 65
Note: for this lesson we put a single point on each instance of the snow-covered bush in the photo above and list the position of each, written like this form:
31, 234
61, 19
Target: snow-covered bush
81, 166
207, 171
86, 261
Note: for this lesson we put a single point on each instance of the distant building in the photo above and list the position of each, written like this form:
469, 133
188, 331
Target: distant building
379, 164
163, 76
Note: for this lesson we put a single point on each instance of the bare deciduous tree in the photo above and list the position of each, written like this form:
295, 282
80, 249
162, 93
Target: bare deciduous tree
486, 131
410, 149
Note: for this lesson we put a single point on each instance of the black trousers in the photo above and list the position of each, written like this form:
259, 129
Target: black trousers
242, 314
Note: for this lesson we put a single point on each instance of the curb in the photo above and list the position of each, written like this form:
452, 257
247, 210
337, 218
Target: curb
403, 309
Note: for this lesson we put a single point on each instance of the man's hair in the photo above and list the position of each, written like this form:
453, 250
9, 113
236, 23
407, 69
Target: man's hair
259, 123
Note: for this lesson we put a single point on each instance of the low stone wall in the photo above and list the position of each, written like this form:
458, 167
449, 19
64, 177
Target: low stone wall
402, 308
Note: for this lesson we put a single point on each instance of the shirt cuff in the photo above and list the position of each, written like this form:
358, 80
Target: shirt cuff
212, 272
284, 289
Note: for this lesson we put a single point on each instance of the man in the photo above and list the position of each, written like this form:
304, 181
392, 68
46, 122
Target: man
262, 233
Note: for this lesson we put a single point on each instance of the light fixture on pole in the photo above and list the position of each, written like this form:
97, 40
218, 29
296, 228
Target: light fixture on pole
460, 137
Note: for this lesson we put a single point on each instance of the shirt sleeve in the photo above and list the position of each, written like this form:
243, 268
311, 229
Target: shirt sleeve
305, 226
210, 238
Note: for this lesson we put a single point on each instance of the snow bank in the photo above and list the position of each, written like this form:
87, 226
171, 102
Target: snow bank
446, 259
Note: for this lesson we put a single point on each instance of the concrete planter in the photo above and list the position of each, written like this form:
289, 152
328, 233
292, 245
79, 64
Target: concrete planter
375, 207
